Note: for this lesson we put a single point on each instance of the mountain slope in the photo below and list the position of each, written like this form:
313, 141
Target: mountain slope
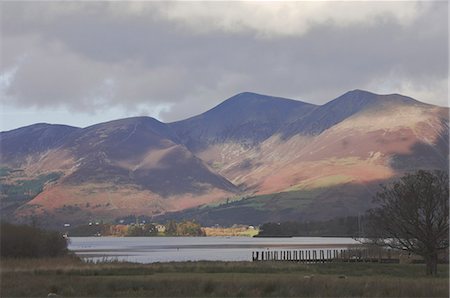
250, 159
134, 160
247, 118
358, 128
343, 107
142, 151
28, 142
336, 155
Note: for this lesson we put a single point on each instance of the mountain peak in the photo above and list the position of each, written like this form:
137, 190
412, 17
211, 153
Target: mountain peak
247, 117
256, 98
355, 96
359, 93
360, 99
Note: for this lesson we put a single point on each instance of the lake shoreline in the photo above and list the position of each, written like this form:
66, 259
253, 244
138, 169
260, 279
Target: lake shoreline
168, 249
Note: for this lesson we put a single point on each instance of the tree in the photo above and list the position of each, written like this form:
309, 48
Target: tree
171, 228
22, 241
412, 215
189, 228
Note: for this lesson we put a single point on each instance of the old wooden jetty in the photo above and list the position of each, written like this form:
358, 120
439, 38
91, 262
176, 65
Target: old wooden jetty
327, 255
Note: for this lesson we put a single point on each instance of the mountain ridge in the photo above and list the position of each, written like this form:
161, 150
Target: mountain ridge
290, 157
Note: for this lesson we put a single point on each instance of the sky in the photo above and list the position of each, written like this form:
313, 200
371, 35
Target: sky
81, 63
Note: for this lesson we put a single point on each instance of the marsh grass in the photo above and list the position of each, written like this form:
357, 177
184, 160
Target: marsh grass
72, 277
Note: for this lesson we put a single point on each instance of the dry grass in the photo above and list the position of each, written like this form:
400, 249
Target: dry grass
71, 277
241, 231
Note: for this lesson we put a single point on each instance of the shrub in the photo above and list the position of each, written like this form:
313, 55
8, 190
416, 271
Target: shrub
25, 241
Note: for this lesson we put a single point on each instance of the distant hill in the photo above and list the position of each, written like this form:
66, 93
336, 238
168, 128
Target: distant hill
27, 142
251, 159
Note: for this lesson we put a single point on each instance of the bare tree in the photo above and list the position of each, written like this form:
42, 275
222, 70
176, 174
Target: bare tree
412, 215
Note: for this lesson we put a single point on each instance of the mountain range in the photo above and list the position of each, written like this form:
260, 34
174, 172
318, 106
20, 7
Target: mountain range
251, 159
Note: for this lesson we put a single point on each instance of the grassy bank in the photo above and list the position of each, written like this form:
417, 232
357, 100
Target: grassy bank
240, 231
71, 277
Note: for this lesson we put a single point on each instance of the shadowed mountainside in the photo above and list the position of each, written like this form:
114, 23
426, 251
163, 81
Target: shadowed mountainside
26, 142
247, 118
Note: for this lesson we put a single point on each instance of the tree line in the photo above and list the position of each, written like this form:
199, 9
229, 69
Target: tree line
350, 226
171, 228
30, 242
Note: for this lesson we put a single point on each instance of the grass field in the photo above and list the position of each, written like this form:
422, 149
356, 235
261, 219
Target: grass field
239, 231
71, 277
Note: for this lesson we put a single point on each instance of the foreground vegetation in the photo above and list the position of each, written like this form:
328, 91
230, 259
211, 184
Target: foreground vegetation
20, 241
68, 276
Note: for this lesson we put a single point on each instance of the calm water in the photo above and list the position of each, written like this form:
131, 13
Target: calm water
169, 249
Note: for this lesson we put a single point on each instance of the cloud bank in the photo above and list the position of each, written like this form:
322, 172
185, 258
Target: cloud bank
176, 59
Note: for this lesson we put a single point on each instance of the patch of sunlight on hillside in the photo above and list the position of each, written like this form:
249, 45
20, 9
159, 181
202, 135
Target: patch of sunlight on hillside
326, 181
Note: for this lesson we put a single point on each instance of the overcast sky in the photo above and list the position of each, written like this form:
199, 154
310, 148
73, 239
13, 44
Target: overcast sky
81, 63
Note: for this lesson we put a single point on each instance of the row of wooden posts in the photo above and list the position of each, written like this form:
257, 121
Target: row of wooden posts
328, 255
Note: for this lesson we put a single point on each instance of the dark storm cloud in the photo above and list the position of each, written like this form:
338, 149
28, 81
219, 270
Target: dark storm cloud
88, 56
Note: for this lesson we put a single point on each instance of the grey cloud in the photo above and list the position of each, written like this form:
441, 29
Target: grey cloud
91, 58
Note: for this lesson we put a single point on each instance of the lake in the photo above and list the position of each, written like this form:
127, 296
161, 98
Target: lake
178, 249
